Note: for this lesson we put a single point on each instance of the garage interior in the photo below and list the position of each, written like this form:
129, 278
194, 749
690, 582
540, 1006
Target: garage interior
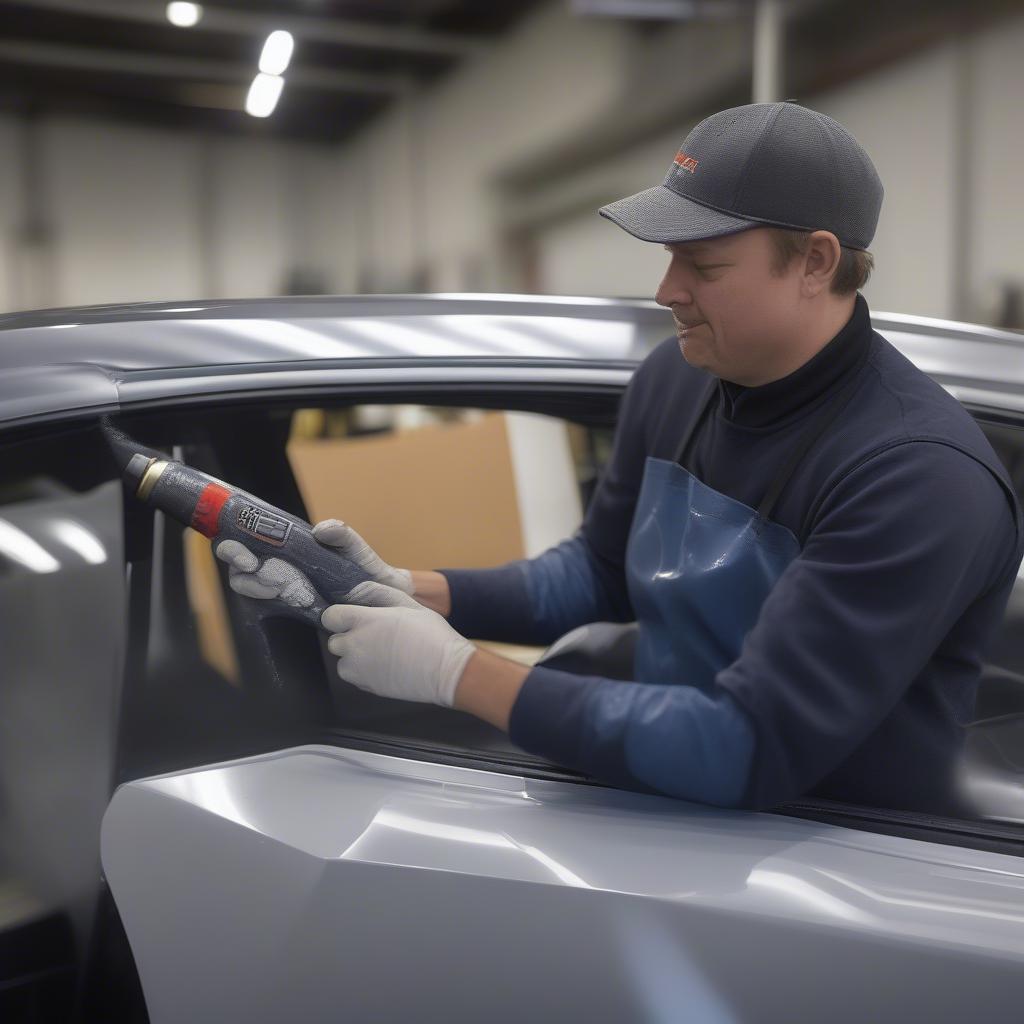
445, 147
452, 146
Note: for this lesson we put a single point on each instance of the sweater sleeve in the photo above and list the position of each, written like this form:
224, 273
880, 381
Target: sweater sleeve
579, 581
668, 739
535, 601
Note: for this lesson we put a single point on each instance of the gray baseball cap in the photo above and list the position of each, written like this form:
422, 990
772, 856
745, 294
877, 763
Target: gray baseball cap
763, 163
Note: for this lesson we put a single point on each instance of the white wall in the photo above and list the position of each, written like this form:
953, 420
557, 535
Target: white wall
945, 129
254, 232
336, 228
120, 201
588, 255
906, 116
425, 172
138, 214
11, 268
996, 155
903, 116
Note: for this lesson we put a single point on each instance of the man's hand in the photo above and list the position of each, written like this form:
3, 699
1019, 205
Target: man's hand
275, 578
392, 646
389, 644
429, 588
333, 533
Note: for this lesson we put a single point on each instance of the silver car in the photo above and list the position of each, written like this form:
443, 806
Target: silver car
202, 823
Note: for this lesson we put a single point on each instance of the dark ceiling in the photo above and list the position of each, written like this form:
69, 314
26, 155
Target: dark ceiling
123, 59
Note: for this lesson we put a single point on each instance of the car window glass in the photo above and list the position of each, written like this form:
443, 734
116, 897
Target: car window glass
427, 487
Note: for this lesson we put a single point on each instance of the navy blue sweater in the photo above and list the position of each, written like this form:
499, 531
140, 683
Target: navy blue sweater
861, 671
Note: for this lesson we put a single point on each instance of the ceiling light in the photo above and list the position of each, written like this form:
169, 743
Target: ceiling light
263, 95
184, 15
277, 52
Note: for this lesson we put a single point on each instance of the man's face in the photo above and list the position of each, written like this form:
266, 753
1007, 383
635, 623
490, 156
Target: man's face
733, 317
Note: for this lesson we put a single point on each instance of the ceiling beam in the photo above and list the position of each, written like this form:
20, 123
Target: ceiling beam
249, 23
201, 69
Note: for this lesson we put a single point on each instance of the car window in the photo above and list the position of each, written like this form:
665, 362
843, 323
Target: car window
427, 487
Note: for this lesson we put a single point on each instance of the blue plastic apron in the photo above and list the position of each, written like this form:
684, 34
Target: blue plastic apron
700, 564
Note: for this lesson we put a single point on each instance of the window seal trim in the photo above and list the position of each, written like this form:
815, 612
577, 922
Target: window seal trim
901, 824
500, 763
974, 835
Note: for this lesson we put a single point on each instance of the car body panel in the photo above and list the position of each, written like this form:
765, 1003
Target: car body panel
280, 331
107, 354
143, 389
54, 391
62, 634
329, 884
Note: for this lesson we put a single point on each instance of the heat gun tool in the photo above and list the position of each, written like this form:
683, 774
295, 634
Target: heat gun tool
223, 512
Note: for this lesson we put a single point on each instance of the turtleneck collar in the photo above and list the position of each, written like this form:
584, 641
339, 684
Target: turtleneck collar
768, 404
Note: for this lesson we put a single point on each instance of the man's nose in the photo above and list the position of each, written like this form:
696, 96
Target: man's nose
674, 289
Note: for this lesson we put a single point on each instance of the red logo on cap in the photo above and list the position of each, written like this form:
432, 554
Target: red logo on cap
684, 162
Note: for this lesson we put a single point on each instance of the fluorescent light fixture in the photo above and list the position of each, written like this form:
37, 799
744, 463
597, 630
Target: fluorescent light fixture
184, 15
21, 548
277, 52
264, 93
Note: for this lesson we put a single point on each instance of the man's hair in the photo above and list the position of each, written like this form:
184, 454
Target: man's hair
855, 265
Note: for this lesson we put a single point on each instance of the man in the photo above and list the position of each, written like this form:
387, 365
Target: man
816, 541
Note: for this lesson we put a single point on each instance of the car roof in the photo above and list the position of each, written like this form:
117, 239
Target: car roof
177, 334
82, 357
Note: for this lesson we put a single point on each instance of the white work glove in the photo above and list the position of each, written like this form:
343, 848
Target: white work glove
274, 578
333, 533
391, 645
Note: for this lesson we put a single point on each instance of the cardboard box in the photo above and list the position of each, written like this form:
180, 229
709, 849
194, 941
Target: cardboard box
439, 496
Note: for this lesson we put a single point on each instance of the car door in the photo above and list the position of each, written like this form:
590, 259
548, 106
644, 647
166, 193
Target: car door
396, 864
268, 856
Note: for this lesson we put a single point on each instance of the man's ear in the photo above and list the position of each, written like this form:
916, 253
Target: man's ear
821, 261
